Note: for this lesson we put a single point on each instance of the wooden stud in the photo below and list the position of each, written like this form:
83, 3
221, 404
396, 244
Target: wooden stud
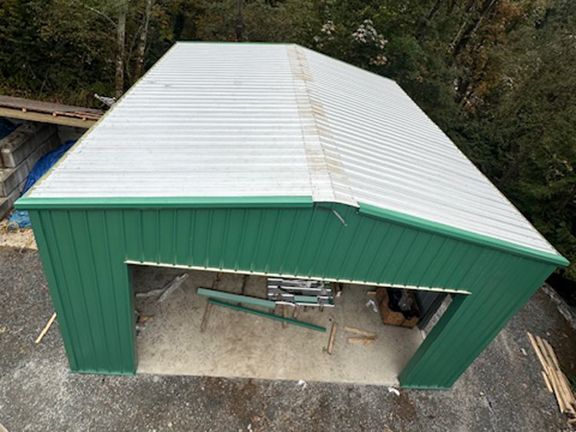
534, 341
537, 351
554, 381
360, 340
547, 382
45, 329
360, 332
551, 353
284, 315
331, 339
206, 316
568, 395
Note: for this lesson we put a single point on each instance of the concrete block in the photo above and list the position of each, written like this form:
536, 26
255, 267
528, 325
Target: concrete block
17, 146
6, 203
11, 178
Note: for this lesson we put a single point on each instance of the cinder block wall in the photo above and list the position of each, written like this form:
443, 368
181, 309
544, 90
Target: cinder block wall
19, 151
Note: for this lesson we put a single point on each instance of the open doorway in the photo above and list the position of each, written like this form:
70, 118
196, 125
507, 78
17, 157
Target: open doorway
179, 334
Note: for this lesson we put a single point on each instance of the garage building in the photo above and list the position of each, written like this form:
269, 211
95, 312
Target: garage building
275, 160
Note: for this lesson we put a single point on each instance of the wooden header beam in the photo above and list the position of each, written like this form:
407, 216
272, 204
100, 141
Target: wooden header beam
48, 112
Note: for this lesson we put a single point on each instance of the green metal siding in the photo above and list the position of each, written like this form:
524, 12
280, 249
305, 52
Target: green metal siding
84, 252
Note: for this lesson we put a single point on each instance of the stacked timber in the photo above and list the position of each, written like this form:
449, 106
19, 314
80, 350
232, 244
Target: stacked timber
554, 378
19, 151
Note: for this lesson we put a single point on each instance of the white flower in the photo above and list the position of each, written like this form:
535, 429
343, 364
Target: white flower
328, 28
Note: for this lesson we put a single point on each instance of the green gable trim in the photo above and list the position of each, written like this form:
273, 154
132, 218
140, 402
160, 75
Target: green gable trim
435, 227
29, 203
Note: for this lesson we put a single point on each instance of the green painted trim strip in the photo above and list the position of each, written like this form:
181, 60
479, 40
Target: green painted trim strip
101, 372
300, 276
31, 203
423, 387
221, 295
309, 299
269, 315
306, 299
460, 234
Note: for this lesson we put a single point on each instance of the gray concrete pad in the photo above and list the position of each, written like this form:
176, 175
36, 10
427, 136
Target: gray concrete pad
240, 345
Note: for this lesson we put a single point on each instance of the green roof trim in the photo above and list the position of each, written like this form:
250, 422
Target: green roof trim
27, 203
435, 227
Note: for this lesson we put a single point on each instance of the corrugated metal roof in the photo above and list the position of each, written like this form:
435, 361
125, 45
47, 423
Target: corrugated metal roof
251, 120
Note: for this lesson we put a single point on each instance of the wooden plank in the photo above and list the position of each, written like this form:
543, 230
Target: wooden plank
23, 104
284, 313
331, 339
567, 393
534, 341
547, 382
537, 351
360, 332
551, 353
45, 329
360, 340
46, 118
554, 378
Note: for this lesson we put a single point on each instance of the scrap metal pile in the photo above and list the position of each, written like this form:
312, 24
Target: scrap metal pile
281, 293
300, 292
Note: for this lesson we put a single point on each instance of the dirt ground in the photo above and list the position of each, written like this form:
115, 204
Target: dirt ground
17, 238
502, 391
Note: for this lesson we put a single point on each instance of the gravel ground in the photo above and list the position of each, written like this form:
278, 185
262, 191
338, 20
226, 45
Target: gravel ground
502, 391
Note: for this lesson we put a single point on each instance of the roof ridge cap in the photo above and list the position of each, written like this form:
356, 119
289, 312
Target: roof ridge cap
324, 164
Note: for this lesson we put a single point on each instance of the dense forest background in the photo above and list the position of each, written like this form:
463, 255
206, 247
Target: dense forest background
498, 76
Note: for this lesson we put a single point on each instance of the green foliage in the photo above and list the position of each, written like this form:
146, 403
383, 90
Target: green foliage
54, 49
496, 75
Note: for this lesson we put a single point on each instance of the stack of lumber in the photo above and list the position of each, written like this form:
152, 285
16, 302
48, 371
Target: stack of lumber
19, 151
554, 378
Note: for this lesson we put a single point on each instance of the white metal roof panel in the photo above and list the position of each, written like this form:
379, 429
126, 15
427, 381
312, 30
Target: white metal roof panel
240, 120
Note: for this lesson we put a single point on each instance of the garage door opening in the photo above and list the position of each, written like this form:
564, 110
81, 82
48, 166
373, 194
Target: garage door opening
174, 336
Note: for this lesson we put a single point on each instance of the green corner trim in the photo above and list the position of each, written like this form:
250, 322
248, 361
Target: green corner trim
102, 372
423, 387
435, 227
231, 297
31, 203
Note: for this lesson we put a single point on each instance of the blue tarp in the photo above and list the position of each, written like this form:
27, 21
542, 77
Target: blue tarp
21, 217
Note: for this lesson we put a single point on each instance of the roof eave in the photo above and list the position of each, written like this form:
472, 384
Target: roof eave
463, 235
32, 203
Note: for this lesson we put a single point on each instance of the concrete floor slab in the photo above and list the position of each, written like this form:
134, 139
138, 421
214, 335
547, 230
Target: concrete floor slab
237, 344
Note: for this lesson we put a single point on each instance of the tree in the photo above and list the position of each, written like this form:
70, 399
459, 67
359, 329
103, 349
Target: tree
496, 75
120, 41
142, 40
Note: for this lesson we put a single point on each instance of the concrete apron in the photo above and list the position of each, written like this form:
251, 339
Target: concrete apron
236, 344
